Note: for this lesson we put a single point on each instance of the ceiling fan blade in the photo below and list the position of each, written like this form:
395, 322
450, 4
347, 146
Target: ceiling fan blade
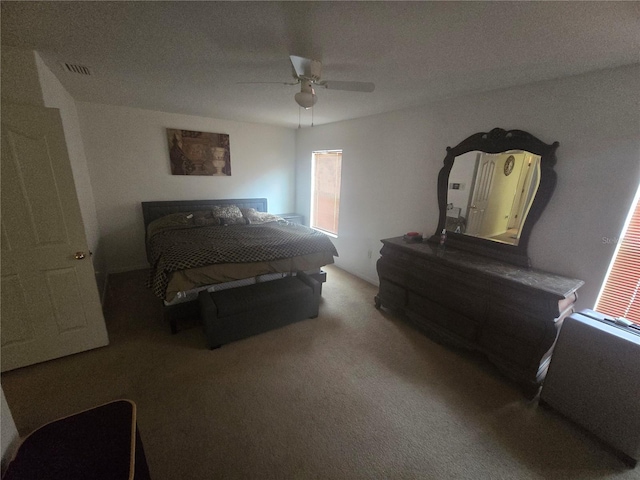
273, 83
348, 86
301, 65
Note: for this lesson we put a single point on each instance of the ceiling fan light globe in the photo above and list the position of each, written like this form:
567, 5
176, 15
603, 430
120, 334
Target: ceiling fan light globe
306, 99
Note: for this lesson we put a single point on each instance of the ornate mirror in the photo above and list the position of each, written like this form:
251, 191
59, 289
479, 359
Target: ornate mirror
492, 189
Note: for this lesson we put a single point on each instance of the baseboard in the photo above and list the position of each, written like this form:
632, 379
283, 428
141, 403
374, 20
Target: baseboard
373, 281
105, 287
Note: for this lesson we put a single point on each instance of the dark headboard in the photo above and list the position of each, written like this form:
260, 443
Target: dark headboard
154, 210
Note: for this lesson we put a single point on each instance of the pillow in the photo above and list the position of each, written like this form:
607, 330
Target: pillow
205, 218
203, 214
233, 221
207, 221
173, 220
253, 216
226, 211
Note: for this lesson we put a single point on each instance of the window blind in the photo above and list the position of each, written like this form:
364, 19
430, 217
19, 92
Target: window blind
620, 296
326, 191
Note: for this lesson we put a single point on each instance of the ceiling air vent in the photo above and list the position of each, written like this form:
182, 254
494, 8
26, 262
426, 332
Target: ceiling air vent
80, 69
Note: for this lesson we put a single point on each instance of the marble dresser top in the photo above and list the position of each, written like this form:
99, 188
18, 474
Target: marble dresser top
462, 260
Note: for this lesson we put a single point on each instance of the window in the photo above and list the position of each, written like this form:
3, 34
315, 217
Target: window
326, 169
620, 294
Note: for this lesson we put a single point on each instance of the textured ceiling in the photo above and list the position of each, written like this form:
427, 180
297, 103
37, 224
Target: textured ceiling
190, 57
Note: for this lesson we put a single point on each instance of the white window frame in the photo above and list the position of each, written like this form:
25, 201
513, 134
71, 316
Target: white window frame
313, 193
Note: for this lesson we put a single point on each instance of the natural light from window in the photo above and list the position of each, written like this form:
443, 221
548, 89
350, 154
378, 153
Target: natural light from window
620, 294
326, 171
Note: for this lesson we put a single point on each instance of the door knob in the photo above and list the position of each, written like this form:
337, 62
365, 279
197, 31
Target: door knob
79, 255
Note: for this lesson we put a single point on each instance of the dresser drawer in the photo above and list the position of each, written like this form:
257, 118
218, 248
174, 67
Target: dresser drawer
515, 324
392, 295
508, 333
436, 313
513, 350
454, 295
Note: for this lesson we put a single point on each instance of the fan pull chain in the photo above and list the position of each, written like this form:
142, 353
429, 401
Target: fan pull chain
312, 109
298, 117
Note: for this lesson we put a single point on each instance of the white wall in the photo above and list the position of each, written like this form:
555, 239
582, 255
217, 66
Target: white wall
388, 187
128, 157
391, 162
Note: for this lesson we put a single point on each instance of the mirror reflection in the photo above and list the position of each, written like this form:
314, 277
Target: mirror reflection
489, 194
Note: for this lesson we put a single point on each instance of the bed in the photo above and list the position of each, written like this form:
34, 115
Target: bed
194, 245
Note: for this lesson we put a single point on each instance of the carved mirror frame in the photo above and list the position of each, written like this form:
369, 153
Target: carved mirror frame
499, 141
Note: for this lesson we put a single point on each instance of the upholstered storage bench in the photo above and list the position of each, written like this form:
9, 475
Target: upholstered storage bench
238, 313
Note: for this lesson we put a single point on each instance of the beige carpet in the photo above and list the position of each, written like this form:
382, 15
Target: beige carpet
353, 394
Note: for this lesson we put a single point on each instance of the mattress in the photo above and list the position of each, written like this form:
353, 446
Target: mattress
185, 257
222, 274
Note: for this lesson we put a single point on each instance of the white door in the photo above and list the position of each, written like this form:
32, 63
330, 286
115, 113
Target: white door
481, 194
49, 299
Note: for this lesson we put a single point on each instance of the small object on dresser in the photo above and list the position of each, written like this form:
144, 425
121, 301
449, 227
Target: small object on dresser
412, 237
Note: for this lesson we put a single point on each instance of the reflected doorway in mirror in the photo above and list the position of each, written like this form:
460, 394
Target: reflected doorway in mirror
495, 206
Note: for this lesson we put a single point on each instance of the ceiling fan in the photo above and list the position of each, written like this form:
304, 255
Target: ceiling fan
308, 74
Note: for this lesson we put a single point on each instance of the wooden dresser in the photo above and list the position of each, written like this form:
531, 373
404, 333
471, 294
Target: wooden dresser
509, 313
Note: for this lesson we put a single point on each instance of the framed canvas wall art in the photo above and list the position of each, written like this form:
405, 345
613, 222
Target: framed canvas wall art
199, 153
